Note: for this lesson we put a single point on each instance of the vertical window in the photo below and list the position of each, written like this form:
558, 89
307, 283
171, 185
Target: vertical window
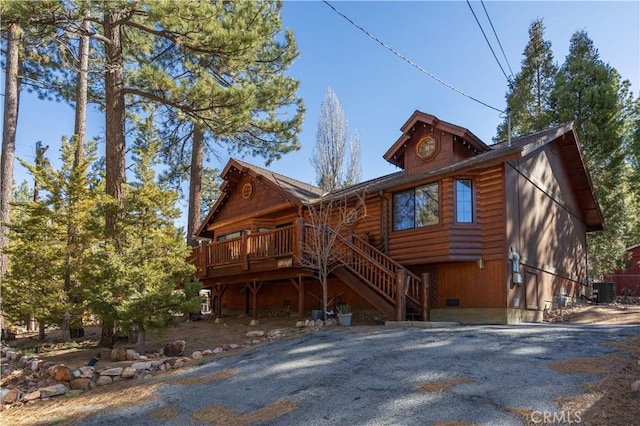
417, 207
464, 201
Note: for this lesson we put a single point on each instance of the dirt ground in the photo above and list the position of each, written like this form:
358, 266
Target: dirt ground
207, 334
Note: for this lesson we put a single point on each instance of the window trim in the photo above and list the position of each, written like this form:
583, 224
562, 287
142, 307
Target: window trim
413, 191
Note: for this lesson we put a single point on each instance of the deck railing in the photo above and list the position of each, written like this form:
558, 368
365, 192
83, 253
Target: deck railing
249, 247
380, 272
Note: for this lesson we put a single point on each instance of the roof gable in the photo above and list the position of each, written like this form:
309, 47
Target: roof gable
234, 173
396, 154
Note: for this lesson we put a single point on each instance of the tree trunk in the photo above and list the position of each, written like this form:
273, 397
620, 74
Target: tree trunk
142, 339
114, 142
66, 327
41, 334
80, 127
115, 151
195, 184
107, 336
10, 124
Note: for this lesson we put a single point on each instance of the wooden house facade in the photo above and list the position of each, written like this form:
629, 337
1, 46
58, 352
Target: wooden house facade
463, 232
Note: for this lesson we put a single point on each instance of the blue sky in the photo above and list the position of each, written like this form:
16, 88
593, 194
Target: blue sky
379, 91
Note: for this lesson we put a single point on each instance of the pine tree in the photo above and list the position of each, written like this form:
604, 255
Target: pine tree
151, 263
528, 95
592, 95
51, 237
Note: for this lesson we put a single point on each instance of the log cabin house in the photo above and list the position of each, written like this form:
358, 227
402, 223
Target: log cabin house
463, 232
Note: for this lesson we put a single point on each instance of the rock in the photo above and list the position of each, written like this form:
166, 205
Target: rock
178, 364
128, 373
217, 350
309, 323
207, 352
35, 364
217, 320
197, 355
81, 384
141, 365
255, 333
118, 355
32, 396
175, 348
54, 390
274, 334
319, 323
132, 355
3, 393
143, 358
62, 373
23, 361
635, 386
104, 380
73, 393
256, 342
300, 324
233, 346
112, 372
254, 322
12, 396
86, 372
77, 374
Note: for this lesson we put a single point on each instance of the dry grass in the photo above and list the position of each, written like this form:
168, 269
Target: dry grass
70, 411
611, 400
588, 365
165, 413
200, 380
220, 415
439, 386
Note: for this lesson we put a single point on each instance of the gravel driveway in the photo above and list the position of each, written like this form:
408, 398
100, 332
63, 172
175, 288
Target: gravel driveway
345, 377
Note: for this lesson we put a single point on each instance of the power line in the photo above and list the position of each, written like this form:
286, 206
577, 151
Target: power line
409, 61
497, 38
487, 40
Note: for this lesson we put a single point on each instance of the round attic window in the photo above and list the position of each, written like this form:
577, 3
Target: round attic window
427, 147
247, 191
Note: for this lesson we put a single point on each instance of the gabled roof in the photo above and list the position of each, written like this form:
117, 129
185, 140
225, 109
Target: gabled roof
568, 145
295, 190
395, 154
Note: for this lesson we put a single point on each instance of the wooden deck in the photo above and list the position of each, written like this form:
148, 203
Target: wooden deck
277, 254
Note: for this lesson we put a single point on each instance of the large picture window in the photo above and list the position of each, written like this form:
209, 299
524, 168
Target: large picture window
416, 208
464, 201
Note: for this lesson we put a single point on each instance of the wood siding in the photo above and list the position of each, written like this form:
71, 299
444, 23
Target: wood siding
545, 226
451, 241
265, 198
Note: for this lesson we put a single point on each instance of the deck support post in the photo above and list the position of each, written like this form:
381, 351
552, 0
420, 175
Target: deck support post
218, 290
401, 305
424, 296
299, 285
254, 287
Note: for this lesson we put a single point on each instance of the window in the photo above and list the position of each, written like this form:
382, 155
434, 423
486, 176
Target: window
416, 208
230, 236
464, 201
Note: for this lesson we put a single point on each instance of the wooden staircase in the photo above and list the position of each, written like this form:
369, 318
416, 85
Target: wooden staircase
390, 287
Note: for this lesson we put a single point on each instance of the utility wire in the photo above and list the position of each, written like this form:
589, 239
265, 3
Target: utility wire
409, 61
497, 38
487, 40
